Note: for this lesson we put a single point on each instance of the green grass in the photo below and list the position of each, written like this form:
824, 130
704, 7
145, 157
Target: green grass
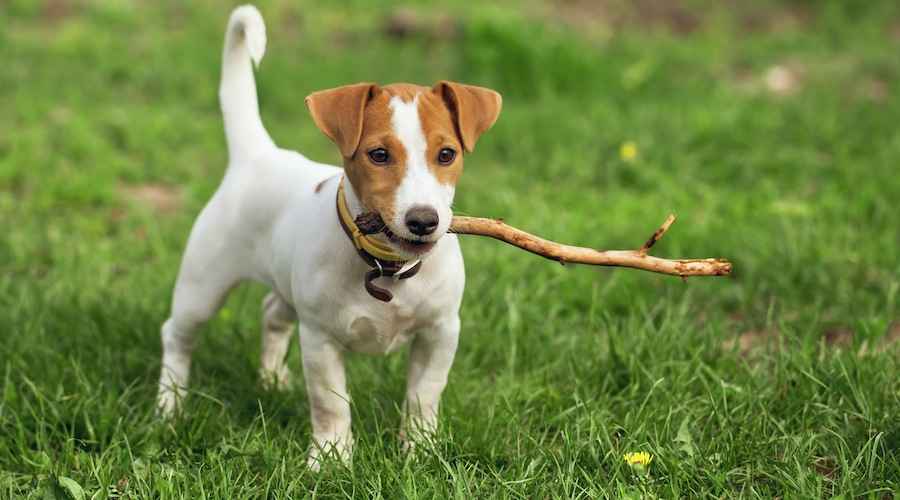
560, 371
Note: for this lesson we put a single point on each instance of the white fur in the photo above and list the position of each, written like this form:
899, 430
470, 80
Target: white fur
245, 44
267, 223
419, 186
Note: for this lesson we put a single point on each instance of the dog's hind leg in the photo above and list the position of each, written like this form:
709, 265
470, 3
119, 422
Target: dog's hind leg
278, 327
203, 283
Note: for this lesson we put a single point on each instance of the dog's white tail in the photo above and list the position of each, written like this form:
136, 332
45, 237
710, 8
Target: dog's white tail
245, 44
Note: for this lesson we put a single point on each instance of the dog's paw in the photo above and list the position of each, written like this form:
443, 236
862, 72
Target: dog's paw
280, 379
418, 435
167, 404
336, 451
314, 460
416, 442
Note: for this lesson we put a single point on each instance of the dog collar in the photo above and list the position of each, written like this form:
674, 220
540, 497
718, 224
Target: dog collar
379, 256
362, 242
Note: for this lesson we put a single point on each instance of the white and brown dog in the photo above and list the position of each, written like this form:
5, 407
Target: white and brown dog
290, 223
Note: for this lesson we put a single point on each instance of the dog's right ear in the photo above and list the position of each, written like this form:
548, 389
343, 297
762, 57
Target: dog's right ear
338, 113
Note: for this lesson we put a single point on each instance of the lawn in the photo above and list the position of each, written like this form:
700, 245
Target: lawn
770, 128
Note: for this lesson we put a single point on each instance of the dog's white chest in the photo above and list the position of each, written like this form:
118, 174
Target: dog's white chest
380, 329
333, 301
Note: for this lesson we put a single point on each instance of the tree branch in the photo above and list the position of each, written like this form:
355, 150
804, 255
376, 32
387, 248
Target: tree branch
637, 259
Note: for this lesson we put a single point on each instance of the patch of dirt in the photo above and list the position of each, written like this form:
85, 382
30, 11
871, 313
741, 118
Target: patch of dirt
744, 78
57, 10
755, 19
117, 214
875, 90
673, 16
291, 19
580, 13
894, 31
839, 337
404, 22
160, 198
752, 341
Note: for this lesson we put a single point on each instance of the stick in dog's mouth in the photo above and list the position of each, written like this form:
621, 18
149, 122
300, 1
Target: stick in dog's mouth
370, 223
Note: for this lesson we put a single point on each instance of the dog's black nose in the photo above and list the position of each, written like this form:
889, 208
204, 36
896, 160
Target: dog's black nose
421, 221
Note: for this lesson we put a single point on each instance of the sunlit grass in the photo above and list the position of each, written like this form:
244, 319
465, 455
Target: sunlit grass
561, 372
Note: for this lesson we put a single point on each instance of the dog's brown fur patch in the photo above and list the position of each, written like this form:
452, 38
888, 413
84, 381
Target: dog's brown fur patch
439, 129
376, 185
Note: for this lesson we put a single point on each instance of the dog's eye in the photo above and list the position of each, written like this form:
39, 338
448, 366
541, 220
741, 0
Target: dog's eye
446, 156
379, 156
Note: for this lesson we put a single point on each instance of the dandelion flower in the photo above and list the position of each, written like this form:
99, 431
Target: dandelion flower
628, 151
641, 458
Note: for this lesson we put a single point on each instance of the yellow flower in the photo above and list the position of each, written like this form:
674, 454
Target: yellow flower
641, 458
628, 151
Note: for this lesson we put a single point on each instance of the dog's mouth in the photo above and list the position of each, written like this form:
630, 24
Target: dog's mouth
371, 223
416, 247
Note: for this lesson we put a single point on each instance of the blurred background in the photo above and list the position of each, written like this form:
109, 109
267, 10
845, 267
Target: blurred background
769, 127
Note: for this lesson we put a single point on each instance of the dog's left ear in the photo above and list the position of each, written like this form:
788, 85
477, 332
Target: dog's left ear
338, 113
474, 109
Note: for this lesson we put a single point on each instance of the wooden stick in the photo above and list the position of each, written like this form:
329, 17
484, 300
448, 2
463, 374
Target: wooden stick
637, 259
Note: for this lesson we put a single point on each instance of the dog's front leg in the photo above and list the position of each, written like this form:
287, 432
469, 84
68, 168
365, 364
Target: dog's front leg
329, 402
430, 358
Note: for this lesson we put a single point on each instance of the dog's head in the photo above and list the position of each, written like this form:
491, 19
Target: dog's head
403, 150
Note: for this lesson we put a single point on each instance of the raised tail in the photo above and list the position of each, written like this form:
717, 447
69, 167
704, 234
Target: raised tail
245, 44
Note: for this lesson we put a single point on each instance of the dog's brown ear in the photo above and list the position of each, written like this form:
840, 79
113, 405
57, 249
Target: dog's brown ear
338, 113
474, 109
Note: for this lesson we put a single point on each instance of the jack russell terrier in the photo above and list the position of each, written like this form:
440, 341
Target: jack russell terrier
292, 224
